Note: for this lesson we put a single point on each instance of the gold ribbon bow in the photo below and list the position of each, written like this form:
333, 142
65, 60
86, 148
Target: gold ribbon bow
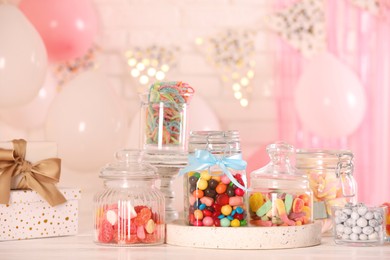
40, 176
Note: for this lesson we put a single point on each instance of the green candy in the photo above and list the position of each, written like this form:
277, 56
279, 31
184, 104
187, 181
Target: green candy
288, 201
264, 209
243, 222
197, 175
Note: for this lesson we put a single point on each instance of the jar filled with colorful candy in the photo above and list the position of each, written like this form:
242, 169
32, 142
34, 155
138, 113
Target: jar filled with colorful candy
330, 173
129, 211
279, 195
164, 116
215, 180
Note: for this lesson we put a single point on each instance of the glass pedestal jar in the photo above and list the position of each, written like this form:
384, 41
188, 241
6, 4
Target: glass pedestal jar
330, 173
278, 195
130, 209
215, 180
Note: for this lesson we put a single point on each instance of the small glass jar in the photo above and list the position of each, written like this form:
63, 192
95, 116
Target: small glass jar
164, 117
215, 180
278, 194
331, 178
359, 225
130, 209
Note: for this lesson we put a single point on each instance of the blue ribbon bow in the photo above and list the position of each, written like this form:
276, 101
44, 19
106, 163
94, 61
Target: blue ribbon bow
203, 159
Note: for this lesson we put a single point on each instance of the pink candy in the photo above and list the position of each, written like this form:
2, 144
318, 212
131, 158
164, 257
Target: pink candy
236, 201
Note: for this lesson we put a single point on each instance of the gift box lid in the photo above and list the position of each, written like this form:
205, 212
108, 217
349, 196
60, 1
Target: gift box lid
29, 196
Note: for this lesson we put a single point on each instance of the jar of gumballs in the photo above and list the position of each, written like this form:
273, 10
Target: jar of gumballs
278, 194
129, 211
215, 180
330, 174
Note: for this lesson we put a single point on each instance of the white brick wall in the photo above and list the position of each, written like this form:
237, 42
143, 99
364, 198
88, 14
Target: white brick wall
137, 23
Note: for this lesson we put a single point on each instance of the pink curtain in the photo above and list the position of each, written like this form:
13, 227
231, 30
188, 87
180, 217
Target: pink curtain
360, 40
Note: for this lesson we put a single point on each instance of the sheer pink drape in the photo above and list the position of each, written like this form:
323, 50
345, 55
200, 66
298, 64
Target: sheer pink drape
361, 41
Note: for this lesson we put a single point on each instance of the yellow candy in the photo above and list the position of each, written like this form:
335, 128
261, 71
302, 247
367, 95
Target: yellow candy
235, 223
205, 175
198, 214
307, 211
256, 200
226, 210
150, 226
202, 184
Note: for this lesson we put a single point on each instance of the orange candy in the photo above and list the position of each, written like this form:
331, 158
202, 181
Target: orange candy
198, 193
221, 188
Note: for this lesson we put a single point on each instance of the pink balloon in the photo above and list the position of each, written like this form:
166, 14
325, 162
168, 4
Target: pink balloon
329, 98
67, 27
33, 114
88, 122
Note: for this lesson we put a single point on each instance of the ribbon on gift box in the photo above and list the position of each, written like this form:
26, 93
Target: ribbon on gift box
40, 176
203, 159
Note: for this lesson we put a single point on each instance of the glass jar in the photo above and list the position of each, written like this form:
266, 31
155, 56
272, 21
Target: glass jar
331, 178
215, 180
278, 194
164, 117
130, 209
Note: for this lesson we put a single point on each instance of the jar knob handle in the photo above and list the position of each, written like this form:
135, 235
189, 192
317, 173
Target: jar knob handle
128, 155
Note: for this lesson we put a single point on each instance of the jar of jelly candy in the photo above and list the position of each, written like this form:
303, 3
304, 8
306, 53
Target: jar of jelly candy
330, 174
278, 194
129, 211
215, 180
164, 117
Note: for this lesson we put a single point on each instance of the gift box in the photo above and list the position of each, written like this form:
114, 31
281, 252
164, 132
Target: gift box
28, 216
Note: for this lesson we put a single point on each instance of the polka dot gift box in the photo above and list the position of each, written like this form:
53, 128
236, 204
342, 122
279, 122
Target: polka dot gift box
28, 216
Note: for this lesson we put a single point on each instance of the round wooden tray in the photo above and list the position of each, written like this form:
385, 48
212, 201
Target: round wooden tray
180, 234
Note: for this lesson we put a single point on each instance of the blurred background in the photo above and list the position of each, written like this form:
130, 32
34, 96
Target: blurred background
314, 73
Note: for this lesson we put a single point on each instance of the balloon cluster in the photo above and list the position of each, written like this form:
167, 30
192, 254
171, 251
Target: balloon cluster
302, 25
231, 52
86, 118
151, 63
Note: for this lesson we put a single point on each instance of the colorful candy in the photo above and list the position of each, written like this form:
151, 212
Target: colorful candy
129, 225
164, 115
217, 207
278, 209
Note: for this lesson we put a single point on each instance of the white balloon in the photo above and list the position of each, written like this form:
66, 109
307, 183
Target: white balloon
88, 121
23, 58
32, 115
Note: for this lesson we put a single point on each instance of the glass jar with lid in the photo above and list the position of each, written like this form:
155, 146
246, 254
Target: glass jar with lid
215, 180
330, 173
278, 194
129, 211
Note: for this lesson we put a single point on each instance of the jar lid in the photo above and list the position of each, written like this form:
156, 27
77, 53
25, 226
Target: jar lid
279, 166
321, 159
217, 141
128, 165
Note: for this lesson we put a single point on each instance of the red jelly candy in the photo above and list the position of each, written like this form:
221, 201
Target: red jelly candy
217, 222
197, 223
139, 208
239, 216
239, 192
150, 238
143, 216
222, 199
207, 213
132, 239
106, 232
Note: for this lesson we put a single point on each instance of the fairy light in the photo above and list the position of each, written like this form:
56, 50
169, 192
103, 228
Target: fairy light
244, 102
150, 63
151, 72
199, 41
250, 74
244, 82
238, 95
135, 73
236, 87
160, 75
144, 80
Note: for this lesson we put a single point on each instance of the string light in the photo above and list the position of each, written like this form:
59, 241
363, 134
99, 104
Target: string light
232, 54
150, 63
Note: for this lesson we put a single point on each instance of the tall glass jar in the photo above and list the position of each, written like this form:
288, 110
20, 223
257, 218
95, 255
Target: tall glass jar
164, 117
331, 178
279, 195
129, 211
215, 180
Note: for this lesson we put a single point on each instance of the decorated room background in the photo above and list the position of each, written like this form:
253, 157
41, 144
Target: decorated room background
273, 70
